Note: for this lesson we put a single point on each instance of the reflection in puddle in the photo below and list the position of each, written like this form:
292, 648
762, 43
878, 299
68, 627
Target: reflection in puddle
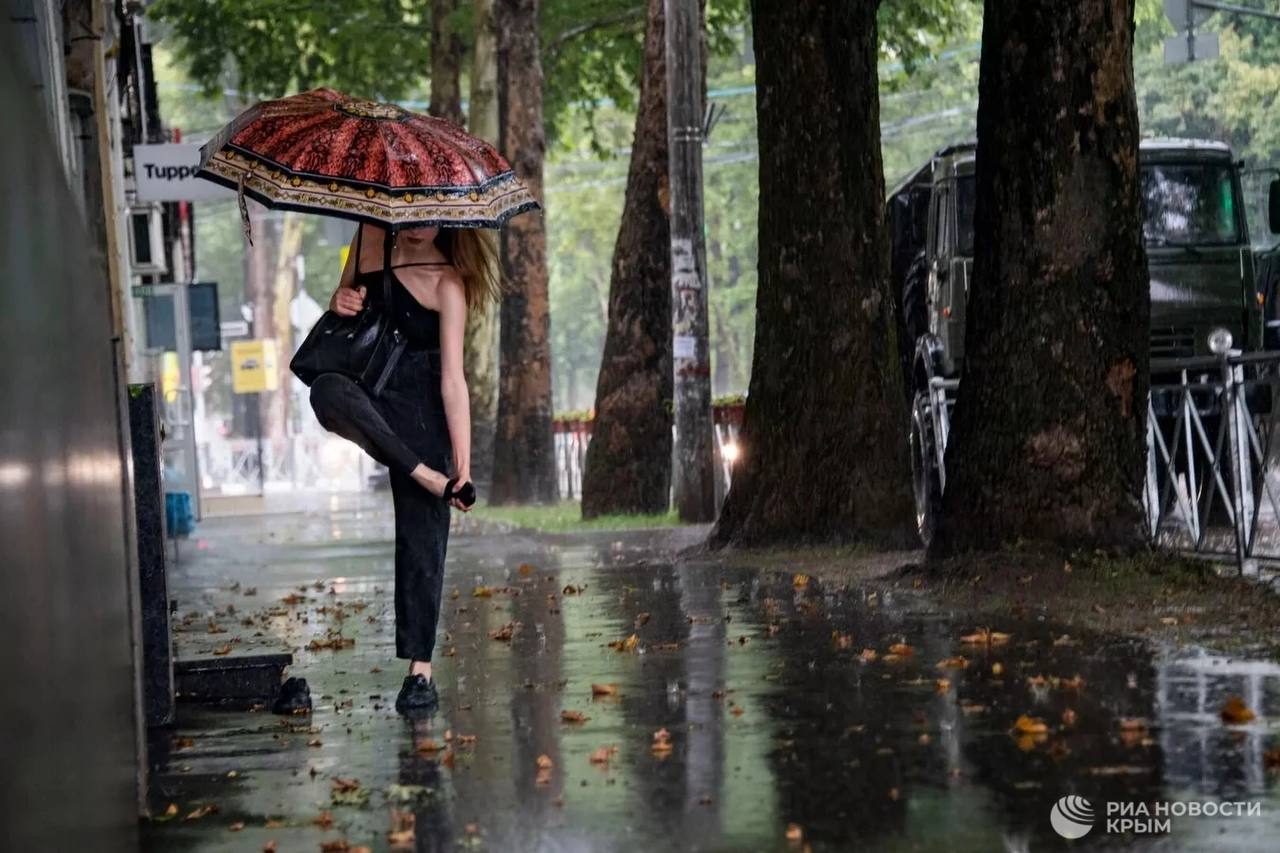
856, 719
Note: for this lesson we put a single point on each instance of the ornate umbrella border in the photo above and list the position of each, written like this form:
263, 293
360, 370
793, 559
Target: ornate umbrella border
489, 206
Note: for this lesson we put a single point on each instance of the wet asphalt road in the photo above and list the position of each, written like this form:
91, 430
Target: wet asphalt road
797, 714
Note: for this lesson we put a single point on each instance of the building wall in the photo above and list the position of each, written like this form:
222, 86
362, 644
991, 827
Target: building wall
68, 730
39, 40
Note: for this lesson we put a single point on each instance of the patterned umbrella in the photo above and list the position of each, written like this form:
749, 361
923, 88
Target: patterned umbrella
325, 152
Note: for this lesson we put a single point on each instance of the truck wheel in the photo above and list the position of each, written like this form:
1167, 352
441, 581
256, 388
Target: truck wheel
926, 485
915, 320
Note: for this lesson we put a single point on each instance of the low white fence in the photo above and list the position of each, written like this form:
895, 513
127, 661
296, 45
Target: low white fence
319, 461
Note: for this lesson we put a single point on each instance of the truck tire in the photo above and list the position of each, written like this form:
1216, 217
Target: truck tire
926, 484
915, 318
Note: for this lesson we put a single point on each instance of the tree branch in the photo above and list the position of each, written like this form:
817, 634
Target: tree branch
633, 16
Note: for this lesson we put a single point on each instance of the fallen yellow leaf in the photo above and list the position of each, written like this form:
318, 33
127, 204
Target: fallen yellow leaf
1030, 725
1236, 712
602, 754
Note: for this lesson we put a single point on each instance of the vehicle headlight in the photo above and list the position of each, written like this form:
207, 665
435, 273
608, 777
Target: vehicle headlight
1220, 341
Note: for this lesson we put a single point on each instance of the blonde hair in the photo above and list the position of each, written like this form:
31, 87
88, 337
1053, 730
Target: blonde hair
474, 253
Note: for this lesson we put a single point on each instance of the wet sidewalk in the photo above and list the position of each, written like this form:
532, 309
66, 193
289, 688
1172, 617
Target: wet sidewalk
596, 696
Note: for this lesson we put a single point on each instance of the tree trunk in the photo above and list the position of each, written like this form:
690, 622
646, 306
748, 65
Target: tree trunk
524, 452
824, 437
283, 289
480, 349
628, 465
260, 292
1049, 427
447, 49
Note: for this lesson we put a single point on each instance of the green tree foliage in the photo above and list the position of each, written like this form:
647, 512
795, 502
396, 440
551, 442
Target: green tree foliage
380, 48
269, 48
1234, 98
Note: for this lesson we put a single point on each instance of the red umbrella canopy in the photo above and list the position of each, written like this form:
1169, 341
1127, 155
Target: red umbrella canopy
329, 153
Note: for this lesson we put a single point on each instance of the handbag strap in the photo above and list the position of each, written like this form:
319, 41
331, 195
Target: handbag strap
386, 270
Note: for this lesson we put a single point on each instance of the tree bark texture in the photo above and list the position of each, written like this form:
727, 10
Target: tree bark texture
694, 492
447, 51
480, 349
261, 279
1048, 437
628, 464
824, 454
284, 288
524, 451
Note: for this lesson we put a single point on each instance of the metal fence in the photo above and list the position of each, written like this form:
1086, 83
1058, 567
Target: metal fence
1212, 485
313, 461
572, 438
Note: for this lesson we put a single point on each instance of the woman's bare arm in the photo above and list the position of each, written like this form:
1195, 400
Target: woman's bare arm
453, 381
346, 300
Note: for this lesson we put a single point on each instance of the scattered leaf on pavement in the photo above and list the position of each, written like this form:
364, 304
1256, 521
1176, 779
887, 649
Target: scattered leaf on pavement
1236, 712
1030, 725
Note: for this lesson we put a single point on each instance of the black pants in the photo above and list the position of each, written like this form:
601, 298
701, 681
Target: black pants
403, 427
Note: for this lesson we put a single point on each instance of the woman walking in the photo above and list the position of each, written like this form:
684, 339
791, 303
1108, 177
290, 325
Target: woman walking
419, 427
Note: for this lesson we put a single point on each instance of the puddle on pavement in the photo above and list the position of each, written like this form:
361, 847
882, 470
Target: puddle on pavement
861, 720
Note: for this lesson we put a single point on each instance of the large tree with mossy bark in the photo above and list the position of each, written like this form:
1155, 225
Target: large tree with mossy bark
1048, 436
628, 463
824, 453
523, 452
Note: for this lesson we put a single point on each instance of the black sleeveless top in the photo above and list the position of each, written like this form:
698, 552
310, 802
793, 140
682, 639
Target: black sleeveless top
419, 324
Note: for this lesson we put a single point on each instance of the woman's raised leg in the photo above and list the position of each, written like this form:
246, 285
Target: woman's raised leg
343, 408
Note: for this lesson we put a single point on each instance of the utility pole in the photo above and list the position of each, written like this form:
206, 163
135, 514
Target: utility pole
691, 361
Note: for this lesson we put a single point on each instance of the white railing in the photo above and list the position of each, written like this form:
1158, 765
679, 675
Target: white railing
572, 438
1212, 484
316, 461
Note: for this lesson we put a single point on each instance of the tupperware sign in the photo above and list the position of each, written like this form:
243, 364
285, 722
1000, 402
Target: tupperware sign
168, 173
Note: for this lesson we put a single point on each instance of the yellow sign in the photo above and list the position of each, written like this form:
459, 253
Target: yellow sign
170, 376
253, 366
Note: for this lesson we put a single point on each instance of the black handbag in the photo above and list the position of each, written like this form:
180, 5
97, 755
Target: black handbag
365, 347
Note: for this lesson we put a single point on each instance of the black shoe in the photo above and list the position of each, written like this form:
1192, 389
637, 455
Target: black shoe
417, 695
294, 697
